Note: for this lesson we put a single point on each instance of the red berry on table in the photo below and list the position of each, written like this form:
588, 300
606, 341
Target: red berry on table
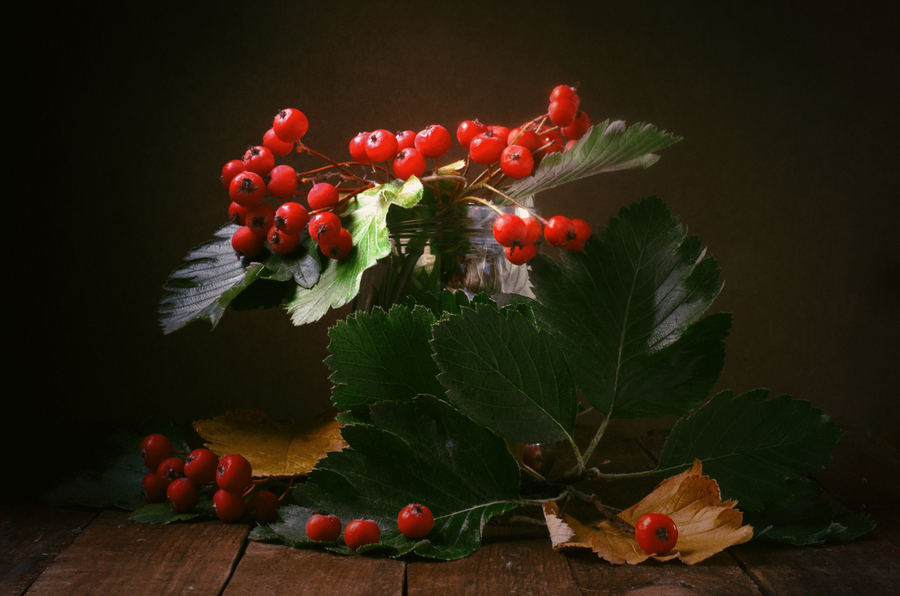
234, 473
291, 218
562, 113
229, 507
582, 233
406, 139
282, 182
533, 231
154, 449
171, 469
259, 160
434, 141
408, 162
323, 527
281, 242
559, 231
276, 145
183, 495
361, 532
236, 213
200, 466
246, 243
656, 533
519, 255
322, 196
324, 227
290, 125
578, 128
516, 162
486, 148
415, 521
230, 170
264, 506
468, 130
381, 145
358, 148
247, 189
509, 229
339, 248
154, 488
260, 218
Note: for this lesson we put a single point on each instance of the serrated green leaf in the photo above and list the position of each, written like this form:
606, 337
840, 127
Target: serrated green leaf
162, 513
506, 374
752, 446
382, 356
302, 266
807, 517
364, 218
606, 147
418, 452
622, 311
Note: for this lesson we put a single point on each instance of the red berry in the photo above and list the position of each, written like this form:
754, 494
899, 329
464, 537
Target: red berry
237, 212
526, 138
415, 521
183, 495
290, 125
259, 160
234, 473
509, 229
408, 162
532, 231
276, 145
551, 142
339, 248
582, 233
361, 532
322, 196
559, 231
230, 170
282, 182
578, 128
434, 141
358, 148
200, 466
406, 139
260, 218
282, 242
656, 533
247, 189
562, 113
325, 227
500, 131
229, 506
247, 244
291, 218
468, 130
154, 488
264, 506
154, 449
519, 255
171, 469
381, 145
531, 457
565, 93
486, 148
516, 162
323, 527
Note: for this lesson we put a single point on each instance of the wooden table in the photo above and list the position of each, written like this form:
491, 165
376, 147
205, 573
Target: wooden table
51, 551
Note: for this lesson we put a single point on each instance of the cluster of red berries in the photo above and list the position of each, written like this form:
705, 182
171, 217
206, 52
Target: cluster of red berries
256, 176
179, 481
414, 521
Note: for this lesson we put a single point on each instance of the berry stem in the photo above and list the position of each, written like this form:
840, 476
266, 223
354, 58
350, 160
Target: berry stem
303, 148
516, 203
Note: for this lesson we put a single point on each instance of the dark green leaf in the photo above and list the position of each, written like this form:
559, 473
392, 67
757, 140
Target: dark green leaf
382, 356
162, 513
416, 452
807, 517
622, 311
752, 446
506, 374
302, 265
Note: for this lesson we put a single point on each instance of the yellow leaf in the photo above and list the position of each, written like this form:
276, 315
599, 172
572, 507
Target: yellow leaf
273, 449
706, 524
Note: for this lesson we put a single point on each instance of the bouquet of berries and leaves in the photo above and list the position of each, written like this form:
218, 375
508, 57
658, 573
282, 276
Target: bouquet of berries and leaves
449, 404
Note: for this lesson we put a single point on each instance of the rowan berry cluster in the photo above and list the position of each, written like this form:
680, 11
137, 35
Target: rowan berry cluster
517, 152
414, 521
180, 481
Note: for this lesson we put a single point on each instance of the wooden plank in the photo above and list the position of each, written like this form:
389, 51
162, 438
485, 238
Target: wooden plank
277, 569
32, 536
115, 556
717, 575
869, 565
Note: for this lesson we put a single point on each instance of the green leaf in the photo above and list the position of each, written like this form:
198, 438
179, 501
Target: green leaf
622, 311
752, 446
606, 147
382, 356
365, 220
506, 374
162, 513
807, 517
302, 266
415, 452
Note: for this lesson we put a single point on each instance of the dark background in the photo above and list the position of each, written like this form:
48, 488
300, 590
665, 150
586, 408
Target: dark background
787, 173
